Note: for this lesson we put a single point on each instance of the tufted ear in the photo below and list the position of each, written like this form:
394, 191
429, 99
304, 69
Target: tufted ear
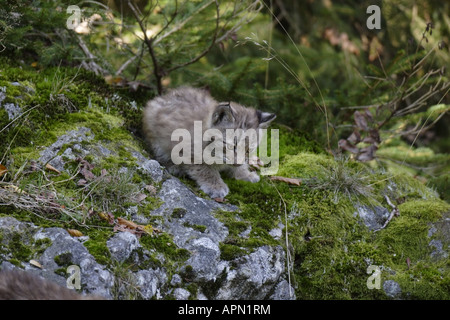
265, 118
223, 114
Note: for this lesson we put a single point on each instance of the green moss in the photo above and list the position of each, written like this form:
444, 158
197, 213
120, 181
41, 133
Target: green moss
19, 249
197, 227
178, 213
304, 165
230, 252
96, 245
425, 210
64, 259
442, 184
163, 244
425, 281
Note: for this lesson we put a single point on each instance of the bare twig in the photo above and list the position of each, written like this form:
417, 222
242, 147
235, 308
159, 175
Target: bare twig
394, 213
181, 24
149, 42
288, 254
91, 65
204, 52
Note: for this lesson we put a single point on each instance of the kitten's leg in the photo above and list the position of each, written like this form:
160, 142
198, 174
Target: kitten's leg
208, 179
242, 172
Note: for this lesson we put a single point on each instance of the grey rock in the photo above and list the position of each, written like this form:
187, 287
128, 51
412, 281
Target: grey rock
439, 252
149, 166
205, 259
283, 291
440, 233
255, 275
122, 245
65, 249
181, 210
392, 289
194, 211
181, 294
152, 168
276, 233
2, 94
246, 233
150, 281
373, 217
50, 154
176, 280
13, 110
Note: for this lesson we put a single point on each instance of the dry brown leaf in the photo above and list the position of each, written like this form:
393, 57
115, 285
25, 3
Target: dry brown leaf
294, 181
3, 170
52, 168
81, 182
107, 217
74, 233
129, 224
36, 264
87, 174
140, 197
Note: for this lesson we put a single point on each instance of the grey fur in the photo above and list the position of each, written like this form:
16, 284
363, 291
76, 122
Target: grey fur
21, 285
178, 109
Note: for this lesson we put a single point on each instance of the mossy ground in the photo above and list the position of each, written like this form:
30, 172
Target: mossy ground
82, 100
330, 249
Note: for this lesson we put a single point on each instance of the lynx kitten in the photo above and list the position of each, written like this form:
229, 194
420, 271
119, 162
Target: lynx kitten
185, 108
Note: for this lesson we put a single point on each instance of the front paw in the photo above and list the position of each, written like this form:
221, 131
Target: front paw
216, 191
253, 177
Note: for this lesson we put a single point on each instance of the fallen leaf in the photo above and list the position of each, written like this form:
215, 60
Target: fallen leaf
2, 170
74, 233
36, 264
52, 168
220, 200
140, 197
81, 182
294, 181
107, 217
151, 189
129, 224
131, 227
87, 174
